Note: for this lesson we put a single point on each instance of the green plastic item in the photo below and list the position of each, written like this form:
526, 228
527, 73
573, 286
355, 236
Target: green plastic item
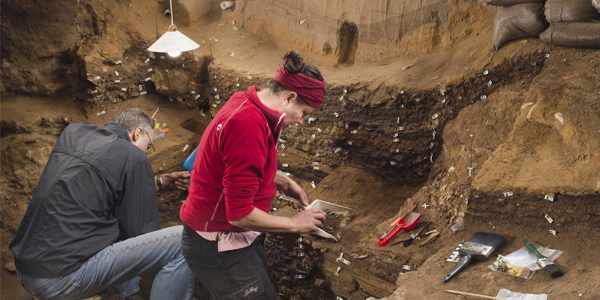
533, 250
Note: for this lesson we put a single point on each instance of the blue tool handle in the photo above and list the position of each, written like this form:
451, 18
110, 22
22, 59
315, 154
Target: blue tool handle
188, 164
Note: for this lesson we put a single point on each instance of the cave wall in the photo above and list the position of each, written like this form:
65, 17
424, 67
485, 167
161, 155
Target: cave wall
345, 31
35, 59
101, 55
96, 50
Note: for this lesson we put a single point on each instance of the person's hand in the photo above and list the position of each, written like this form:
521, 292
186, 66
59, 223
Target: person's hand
290, 188
296, 191
176, 180
308, 220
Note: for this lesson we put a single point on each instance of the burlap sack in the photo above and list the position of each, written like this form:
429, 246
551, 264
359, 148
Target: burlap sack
509, 2
576, 35
596, 4
567, 11
518, 21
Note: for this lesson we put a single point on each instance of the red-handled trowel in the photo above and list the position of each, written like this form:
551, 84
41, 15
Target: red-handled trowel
407, 222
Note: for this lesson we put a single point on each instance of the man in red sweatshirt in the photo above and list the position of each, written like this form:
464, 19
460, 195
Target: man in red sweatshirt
235, 179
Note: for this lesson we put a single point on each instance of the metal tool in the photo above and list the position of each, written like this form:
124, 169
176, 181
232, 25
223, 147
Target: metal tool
322, 205
471, 167
412, 238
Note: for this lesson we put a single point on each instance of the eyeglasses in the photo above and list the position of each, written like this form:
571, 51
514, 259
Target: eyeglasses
150, 146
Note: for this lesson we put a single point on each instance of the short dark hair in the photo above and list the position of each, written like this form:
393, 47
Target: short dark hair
132, 118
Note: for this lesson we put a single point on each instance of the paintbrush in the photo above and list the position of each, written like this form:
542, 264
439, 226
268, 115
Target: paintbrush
545, 262
412, 238
479, 247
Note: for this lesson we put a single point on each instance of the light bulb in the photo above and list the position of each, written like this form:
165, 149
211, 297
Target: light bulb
174, 53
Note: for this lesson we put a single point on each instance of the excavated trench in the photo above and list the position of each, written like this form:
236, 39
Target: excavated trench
392, 138
395, 135
378, 148
391, 133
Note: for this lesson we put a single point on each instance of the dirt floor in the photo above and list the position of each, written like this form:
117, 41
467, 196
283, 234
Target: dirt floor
463, 135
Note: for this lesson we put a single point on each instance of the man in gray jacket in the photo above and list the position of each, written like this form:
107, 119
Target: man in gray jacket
93, 220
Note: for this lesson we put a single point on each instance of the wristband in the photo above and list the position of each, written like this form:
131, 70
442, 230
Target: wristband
159, 183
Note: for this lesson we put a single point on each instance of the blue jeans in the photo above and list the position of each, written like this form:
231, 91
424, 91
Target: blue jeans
119, 265
230, 275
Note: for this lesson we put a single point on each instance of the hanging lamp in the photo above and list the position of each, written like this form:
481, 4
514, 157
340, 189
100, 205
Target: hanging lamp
173, 42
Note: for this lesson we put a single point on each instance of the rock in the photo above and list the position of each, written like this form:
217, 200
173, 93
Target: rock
11, 266
354, 286
197, 55
321, 283
326, 47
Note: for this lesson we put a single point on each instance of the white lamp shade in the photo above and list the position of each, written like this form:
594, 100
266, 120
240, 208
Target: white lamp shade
173, 41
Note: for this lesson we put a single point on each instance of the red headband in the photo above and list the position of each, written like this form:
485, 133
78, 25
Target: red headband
311, 90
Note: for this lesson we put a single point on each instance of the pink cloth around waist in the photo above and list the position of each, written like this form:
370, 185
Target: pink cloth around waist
231, 240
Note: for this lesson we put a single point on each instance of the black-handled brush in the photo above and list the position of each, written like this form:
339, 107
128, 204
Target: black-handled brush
412, 238
462, 264
545, 262
479, 247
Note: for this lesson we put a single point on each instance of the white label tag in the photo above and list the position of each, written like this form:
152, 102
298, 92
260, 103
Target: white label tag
477, 248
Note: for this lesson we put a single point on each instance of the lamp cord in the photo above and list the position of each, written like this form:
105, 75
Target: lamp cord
171, 2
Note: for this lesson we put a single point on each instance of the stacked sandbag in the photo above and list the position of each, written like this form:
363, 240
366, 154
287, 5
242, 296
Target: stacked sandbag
567, 11
577, 35
568, 26
596, 4
510, 2
518, 21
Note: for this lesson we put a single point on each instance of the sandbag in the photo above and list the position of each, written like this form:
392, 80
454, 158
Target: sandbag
596, 4
576, 35
509, 2
567, 11
518, 21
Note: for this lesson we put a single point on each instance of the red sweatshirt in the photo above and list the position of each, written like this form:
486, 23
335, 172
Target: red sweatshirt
235, 165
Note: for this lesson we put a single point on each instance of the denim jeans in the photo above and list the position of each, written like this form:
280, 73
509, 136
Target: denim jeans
230, 275
119, 265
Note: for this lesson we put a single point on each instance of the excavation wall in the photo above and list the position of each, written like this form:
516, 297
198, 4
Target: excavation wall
364, 31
